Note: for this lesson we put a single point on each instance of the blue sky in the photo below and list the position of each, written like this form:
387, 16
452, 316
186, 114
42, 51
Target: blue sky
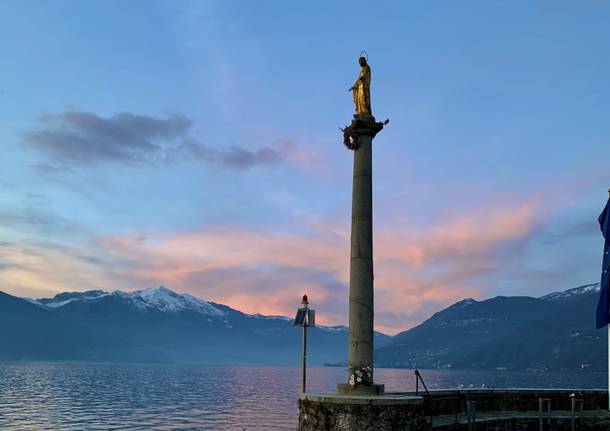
195, 145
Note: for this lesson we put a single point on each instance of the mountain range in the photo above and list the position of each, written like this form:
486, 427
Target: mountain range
552, 332
155, 325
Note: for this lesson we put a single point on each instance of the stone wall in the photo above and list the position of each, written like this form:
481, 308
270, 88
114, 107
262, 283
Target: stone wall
496, 409
356, 414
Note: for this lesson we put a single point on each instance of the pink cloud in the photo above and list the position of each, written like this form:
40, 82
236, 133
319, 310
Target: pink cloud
42, 270
267, 269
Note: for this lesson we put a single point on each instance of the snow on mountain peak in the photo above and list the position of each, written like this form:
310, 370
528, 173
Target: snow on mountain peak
64, 298
464, 303
169, 301
587, 288
159, 298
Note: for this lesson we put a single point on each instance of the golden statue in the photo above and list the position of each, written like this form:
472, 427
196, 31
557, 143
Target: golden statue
362, 89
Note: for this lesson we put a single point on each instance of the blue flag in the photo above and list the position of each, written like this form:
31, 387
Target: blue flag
603, 306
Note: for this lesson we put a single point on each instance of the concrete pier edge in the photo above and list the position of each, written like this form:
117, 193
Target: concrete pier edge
382, 400
446, 409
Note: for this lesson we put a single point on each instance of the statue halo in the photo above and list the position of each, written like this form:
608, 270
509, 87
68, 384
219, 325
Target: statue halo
364, 54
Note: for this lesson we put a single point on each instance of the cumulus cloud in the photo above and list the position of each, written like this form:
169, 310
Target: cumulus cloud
78, 138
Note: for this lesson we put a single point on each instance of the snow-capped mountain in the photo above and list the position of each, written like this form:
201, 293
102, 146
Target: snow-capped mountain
158, 298
64, 298
165, 300
555, 331
570, 293
157, 325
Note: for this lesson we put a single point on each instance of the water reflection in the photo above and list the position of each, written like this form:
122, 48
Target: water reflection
189, 397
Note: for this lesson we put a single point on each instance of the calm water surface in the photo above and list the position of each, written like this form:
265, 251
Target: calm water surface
202, 397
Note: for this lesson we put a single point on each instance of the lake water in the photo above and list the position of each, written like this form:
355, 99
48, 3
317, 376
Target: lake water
201, 397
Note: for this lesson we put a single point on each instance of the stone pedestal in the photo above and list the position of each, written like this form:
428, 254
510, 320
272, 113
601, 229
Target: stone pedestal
370, 390
347, 389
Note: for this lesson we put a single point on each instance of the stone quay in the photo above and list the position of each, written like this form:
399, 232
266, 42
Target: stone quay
464, 409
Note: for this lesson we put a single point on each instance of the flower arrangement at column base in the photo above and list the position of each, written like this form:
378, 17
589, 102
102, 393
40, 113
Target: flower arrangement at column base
360, 382
360, 375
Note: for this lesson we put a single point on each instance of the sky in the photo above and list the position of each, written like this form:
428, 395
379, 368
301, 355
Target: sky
195, 145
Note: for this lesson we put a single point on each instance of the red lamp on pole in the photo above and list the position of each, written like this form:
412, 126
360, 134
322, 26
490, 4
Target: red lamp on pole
305, 317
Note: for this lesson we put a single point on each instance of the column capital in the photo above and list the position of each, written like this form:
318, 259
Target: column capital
367, 125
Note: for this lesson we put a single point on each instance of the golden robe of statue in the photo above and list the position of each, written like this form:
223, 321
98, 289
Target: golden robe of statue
362, 89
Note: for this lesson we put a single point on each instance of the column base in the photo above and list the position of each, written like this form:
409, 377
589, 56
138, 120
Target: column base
347, 389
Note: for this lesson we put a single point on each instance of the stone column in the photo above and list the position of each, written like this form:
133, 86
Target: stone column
361, 262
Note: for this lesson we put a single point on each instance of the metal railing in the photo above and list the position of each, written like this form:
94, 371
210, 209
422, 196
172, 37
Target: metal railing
419, 378
574, 402
542, 402
465, 405
471, 410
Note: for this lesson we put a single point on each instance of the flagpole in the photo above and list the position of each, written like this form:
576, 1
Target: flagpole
608, 369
